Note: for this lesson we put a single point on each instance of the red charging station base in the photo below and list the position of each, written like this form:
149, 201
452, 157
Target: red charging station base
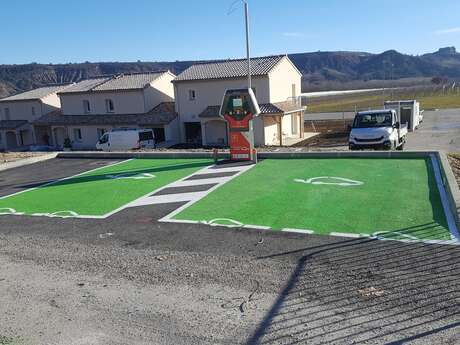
240, 146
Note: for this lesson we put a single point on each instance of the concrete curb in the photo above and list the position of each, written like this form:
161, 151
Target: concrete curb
261, 155
27, 161
345, 154
451, 186
128, 155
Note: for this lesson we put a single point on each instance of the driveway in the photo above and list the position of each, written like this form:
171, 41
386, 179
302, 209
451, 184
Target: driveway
440, 130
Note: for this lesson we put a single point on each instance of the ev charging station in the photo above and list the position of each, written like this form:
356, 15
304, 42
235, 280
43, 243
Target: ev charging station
239, 107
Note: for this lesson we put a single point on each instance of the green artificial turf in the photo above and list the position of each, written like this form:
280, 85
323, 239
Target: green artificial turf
398, 198
99, 192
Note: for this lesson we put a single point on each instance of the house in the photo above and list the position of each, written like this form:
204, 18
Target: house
93, 106
18, 112
276, 83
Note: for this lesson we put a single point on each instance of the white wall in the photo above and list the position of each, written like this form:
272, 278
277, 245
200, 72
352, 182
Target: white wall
281, 79
172, 131
51, 103
215, 132
125, 102
160, 90
271, 131
287, 125
21, 110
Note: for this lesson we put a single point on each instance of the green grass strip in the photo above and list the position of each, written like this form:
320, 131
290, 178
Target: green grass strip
398, 198
99, 192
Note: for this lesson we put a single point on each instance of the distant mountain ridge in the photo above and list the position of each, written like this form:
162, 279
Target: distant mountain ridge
317, 68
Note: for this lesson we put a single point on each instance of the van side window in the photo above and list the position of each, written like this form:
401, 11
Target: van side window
143, 136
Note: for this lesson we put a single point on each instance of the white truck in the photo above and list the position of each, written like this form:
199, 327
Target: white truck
408, 111
125, 139
377, 129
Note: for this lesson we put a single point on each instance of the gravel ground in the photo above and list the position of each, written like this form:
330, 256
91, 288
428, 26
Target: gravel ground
454, 160
131, 280
6, 157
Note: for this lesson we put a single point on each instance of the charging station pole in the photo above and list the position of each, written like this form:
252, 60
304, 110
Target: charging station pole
238, 108
248, 49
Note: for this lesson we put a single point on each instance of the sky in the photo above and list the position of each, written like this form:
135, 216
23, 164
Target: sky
52, 31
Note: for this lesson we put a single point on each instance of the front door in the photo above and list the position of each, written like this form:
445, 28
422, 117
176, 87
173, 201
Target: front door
159, 134
11, 142
193, 132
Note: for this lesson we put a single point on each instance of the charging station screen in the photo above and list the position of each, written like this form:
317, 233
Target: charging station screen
237, 102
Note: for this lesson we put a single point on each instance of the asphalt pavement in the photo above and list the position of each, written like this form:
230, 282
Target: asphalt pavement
129, 279
440, 130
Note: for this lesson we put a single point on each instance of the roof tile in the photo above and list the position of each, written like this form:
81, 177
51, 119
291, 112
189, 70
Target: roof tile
38, 93
229, 69
160, 115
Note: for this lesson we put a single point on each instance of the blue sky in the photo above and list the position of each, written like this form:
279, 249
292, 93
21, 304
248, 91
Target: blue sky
51, 31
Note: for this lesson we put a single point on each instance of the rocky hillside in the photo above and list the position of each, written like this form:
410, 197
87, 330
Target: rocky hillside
320, 69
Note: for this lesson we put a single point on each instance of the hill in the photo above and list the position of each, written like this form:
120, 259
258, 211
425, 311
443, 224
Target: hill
321, 70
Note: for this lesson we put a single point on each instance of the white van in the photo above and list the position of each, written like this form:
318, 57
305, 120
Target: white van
377, 129
126, 139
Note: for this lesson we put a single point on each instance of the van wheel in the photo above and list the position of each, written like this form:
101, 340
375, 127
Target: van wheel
400, 147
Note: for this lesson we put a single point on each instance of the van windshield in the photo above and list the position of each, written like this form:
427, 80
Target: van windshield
372, 120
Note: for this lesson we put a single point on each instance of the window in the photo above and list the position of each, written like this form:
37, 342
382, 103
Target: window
254, 90
109, 106
33, 111
191, 95
7, 113
144, 136
101, 132
86, 106
294, 93
0, 138
77, 134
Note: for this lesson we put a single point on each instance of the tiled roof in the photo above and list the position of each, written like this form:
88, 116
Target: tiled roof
160, 115
85, 85
11, 124
229, 69
129, 81
132, 81
280, 107
265, 109
210, 112
38, 93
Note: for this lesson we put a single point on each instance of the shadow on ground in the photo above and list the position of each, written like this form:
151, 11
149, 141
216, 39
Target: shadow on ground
367, 291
